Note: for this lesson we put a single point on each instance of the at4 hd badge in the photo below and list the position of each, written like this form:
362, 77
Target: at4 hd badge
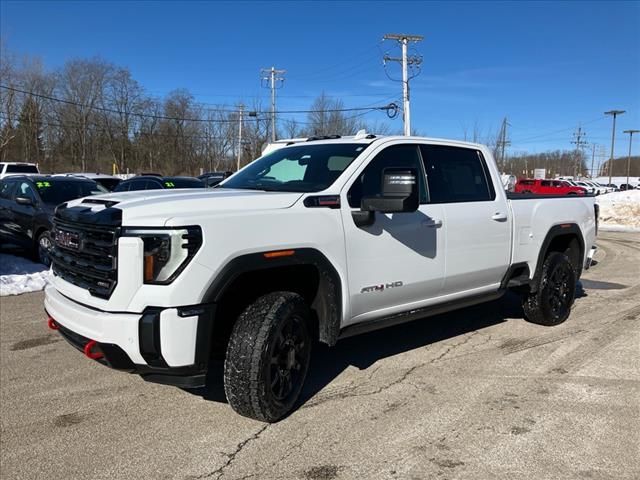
381, 288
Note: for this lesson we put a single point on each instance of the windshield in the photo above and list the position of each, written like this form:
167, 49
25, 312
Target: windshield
55, 192
182, 182
108, 183
300, 168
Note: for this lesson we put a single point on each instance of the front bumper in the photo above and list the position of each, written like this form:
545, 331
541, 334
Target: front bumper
589, 259
163, 345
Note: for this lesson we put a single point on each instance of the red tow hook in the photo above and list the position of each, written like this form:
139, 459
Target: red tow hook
52, 323
89, 350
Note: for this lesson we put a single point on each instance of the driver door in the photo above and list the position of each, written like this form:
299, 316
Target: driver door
397, 263
24, 214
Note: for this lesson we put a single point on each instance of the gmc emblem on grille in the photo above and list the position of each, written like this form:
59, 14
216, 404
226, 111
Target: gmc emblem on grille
69, 240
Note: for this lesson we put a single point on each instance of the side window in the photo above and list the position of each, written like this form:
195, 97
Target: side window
369, 182
122, 187
6, 190
456, 174
545, 183
137, 185
152, 185
25, 190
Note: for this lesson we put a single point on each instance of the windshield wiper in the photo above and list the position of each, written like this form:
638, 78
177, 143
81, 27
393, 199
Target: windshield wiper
245, 187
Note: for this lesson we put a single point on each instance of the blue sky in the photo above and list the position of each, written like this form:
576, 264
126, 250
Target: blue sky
545, 66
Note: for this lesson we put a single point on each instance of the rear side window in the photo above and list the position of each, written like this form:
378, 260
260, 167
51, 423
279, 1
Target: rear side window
526, 182
6, 190
22, 169
545, 183
456, 174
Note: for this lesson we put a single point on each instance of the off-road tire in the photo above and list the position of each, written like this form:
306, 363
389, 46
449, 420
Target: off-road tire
250, 369
551, 303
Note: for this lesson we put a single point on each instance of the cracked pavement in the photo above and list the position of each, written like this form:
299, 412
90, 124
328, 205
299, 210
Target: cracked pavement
473, 394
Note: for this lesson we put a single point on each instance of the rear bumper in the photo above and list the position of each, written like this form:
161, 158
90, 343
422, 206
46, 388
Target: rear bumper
163, 345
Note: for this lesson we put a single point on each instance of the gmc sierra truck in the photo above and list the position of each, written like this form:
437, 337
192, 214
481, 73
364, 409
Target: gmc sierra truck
314, 241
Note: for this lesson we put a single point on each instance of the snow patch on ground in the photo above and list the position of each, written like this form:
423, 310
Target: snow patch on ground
620, 211
19, 275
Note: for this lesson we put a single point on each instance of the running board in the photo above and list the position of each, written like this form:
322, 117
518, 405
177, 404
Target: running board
424, 312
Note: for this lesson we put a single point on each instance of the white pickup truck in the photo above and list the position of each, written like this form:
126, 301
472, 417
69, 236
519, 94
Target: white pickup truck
320, 239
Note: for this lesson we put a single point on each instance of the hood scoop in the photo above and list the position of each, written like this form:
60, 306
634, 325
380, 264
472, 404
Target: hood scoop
96, 201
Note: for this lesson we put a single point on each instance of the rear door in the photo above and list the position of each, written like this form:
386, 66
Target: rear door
546, 187
478, 225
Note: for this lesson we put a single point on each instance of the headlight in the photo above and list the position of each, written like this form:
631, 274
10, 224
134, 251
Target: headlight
167, 251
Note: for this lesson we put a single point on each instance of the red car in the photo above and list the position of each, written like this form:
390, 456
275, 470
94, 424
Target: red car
547, 187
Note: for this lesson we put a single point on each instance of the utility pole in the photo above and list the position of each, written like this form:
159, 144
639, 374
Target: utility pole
614, 113
240, 114
578, 135
502, 143
593, 158
630, 132
406, 61
272, 78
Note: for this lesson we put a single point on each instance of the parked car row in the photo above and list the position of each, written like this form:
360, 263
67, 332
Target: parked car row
566, 187
28, 199
27, 205
548, 187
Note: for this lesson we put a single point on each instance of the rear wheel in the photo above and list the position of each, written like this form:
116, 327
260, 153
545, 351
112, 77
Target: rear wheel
571, 193
551, 303
268, 357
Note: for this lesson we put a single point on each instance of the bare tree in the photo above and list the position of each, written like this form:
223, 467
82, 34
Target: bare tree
8, 100
81, 84
122, 101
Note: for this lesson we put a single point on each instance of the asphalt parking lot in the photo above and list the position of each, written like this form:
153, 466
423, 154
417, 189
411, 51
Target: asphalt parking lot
476, 394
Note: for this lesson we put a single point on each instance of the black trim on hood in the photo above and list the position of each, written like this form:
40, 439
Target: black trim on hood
110, 216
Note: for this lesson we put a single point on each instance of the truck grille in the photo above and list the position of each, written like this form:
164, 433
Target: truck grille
86, 256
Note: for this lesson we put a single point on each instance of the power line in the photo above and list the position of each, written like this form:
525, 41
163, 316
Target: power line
103, 128
562, 130
202, 120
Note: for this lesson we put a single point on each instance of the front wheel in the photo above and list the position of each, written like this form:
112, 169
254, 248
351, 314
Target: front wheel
268, 357
551, 303
43, 248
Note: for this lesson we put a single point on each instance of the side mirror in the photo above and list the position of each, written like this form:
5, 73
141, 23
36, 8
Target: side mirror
399, 192
24, 201
399, 195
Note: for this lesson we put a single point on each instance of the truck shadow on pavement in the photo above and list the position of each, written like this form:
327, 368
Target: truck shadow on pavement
364, 350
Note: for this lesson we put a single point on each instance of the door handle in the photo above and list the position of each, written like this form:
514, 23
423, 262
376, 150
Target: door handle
433, 223
499, 217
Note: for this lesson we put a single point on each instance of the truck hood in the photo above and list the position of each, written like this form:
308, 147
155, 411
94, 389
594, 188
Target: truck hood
156, 207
